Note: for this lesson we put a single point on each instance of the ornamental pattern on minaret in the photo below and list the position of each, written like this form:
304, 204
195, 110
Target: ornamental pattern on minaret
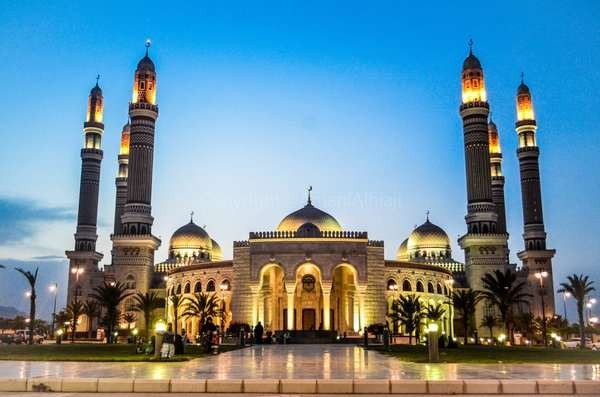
143, 112
497, 176
91, 157
121, 179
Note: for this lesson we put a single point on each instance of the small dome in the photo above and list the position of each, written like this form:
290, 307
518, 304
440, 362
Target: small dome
96, 91
309, 214
523, 89
146, 64
402, 253
428, 237
217, 252
190, 237
492, 127
471, 62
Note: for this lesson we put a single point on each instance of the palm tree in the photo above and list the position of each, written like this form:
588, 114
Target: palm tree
434, 312
579, 287
74, 309
176, 301
92, 310
465, 302
129, 318
203, 306
407, 310
110, 296
503, 291
31, 279
489, 321
146, 304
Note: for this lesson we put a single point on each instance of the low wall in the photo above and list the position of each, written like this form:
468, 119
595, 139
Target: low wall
304, 386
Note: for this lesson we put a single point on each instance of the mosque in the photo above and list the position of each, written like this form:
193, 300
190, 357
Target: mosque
309, 273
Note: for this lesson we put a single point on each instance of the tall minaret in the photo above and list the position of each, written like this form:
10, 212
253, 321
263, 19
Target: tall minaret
134, 245
497, 177
485, 247
536, 257
121, 179
84, 258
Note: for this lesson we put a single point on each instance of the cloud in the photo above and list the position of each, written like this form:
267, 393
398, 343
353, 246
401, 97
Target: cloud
48, 258
18, 218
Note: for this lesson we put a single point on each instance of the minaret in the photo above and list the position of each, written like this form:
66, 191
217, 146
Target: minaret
497, 177
486, 248
134, 245
121, 179
84, 258
536, 257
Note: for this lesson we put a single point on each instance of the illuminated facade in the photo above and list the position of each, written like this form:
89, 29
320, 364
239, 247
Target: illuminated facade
308, 273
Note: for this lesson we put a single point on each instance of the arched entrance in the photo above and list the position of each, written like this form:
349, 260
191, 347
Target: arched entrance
308, 298
344, 304
271, 297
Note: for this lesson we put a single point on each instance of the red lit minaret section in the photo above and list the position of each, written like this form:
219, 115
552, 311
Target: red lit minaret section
497, 176
536, 257
485, 247
83, 260
134, 245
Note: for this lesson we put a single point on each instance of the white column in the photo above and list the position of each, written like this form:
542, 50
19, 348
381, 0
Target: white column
326, 288
290, 289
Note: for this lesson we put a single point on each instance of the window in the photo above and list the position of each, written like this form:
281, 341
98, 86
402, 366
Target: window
420, 286
142, 85
406, 286
210, 287
391, 285
225, 285
130, 282
186, 289
430, 288
197, 287
179, 289
439, 289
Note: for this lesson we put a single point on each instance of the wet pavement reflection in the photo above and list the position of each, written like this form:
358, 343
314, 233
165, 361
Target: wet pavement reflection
298, 361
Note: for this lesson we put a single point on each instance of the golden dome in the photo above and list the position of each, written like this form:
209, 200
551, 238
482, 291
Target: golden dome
190, 237
217, 252
311, 215
428, 238
402, 253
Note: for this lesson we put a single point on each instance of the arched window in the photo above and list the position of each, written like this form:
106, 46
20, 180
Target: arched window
439, 289
225, 285
430, 288
198, 287
406, 286
179, 289
210, 287
391, 285
186, 289
77, 291
130, 282
484, 228
420, 286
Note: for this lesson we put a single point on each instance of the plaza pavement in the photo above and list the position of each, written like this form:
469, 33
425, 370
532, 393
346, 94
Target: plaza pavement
297, 362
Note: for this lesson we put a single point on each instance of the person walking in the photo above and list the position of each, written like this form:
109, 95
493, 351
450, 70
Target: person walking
258, 333
168, 347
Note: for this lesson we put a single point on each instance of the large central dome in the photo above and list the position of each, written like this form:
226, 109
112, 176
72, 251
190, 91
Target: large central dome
312, 215
191, 237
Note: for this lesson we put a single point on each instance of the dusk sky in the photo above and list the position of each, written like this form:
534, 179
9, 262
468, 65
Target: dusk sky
258, 101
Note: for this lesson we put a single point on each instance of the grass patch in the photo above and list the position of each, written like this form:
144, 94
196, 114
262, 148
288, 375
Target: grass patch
90, 352
495, 355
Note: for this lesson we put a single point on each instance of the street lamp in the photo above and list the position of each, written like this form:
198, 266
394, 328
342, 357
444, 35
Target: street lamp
566, 294
54, 289
77, 271
432, 342
541, 275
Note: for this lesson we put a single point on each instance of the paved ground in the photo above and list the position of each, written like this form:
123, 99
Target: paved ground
299, 361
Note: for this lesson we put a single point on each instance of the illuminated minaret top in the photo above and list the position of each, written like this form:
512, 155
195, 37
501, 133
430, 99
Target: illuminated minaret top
473, 84
144, 82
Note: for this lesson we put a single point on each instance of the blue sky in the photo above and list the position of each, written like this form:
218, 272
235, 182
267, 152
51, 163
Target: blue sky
258, 101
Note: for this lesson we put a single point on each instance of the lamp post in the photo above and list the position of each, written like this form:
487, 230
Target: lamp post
54, 289
77, 271
432, 342
541, 275
566, 294
159, 328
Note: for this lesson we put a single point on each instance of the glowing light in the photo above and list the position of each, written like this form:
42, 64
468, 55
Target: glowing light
433, 327
60, 332
160, 326
28, 294
525, 107
473, 86
53, 288
502, 338
134, 332
125, 137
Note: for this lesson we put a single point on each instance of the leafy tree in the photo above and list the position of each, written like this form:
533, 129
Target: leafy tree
525, 323
504, 291
176, 302
465, 302
74, 309
146, 304
579, 287
489, 321
93, 311
407, 310
201, 305
110, 296
31, 279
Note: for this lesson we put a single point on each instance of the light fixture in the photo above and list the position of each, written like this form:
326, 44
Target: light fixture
160, 326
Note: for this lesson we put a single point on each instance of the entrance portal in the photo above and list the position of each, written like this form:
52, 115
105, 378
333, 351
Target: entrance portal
309, 320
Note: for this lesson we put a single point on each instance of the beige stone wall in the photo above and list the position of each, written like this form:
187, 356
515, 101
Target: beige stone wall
374, 294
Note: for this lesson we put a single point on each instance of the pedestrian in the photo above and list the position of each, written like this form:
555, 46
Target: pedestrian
167, 350
258, 333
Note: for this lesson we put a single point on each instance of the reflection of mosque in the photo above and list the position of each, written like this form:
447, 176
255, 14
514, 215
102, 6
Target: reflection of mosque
309, 273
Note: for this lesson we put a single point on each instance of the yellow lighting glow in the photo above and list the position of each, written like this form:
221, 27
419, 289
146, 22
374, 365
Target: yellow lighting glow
95, 110
433, 327
495, 143
160, 326
144, 88
124, 143
525, 107
473, 87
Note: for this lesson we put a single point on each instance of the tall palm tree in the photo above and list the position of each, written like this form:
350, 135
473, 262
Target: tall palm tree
176, 302
407, 310
434, 312
201, 305
503, 291
489, 321
129, 318
465, 302
110, 296
579, 287
31, 279
146, 304
75, 309
92, 310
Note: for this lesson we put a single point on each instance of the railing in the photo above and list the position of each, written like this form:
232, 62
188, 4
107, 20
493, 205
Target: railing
277, 234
